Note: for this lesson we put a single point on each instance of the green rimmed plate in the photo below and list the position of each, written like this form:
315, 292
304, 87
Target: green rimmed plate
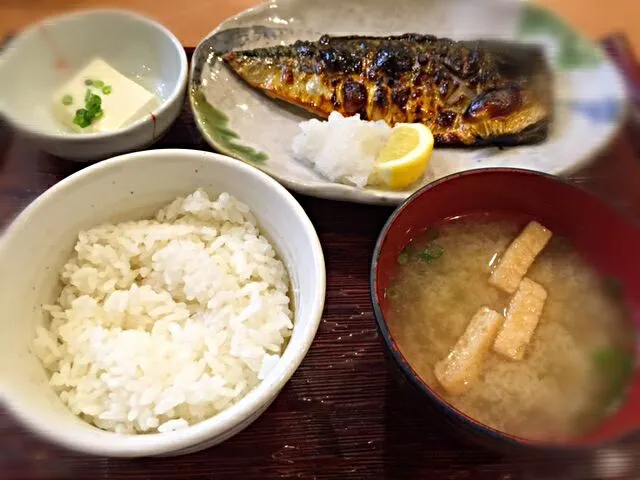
590, 97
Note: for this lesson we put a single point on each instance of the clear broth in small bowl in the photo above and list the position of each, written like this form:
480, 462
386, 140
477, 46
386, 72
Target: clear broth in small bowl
578, 362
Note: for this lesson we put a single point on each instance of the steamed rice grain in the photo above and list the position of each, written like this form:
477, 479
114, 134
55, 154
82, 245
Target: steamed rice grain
163, 323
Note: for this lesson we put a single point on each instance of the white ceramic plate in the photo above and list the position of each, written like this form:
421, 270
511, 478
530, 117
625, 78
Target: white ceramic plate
590, 97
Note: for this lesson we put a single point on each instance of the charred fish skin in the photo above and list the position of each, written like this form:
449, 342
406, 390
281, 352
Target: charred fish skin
468, 93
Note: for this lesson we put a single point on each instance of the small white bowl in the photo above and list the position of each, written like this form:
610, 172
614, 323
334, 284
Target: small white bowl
36, 245
44, 56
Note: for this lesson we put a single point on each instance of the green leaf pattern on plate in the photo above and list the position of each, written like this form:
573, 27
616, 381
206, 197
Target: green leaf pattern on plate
574, 51
217, 125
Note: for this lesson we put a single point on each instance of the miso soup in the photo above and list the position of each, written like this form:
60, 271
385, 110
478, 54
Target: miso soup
574, 368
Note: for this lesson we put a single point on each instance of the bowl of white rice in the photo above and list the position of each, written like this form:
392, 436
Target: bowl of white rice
155, 303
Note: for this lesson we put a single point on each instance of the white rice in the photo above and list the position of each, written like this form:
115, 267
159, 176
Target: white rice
341, 149
163, 323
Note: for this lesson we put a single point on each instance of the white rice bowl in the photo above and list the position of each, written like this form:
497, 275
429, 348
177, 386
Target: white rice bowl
163, 323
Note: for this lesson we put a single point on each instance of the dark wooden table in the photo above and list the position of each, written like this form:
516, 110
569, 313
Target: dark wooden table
342, 415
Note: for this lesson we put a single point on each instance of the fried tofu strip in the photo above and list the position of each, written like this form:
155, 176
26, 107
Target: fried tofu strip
521, 321
464, 363
519, 256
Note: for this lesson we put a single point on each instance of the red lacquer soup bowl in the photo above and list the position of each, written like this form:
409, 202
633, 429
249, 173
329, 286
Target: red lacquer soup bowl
606, 239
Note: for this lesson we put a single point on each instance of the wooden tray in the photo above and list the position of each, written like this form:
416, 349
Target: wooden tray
341, 416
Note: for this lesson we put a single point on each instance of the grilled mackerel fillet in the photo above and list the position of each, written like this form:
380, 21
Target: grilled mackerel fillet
470, 93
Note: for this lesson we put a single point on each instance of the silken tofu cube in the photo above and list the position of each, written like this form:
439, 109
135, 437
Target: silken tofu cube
123, 102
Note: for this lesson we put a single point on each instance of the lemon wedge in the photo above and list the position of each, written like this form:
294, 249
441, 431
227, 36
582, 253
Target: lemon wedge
405, 156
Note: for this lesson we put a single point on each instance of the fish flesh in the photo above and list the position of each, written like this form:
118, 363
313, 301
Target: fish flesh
483, 92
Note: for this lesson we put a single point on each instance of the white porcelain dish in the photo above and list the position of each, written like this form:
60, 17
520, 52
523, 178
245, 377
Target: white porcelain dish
36, 245
590, 96
47, 54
